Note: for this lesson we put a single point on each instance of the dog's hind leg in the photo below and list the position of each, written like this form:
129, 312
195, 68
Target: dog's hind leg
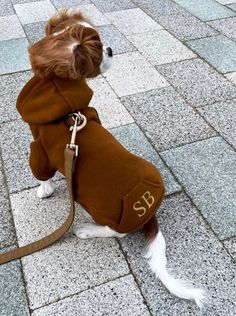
91, 230
45, 189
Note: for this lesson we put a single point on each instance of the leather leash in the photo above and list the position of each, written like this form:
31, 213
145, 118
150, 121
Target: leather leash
70, 156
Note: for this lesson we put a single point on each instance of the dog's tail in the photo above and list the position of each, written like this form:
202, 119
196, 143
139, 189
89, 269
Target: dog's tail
155, 252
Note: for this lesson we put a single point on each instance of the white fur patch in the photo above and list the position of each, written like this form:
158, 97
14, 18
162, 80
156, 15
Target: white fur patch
91, 230
106, 60
45, 189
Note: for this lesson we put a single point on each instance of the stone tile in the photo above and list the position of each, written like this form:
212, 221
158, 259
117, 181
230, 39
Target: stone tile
13, 56
128, 21
69, 3
111, 5
97, 17
15, 31
131, 73
207, 171
194, 253
119, 297
35, 11
231, 246
222, 116
7, 231
161, 47
206, 9
232, 6
131, 137
22, 1
226, 26
69, 266
231, 76
197, 82
34, 31
10, 86
12, 292
166, 118
112, 37
111, 111
6, 8
219, 51
226, 1
175, 19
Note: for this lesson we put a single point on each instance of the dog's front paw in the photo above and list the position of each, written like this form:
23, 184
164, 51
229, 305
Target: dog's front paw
45, 189
84, 230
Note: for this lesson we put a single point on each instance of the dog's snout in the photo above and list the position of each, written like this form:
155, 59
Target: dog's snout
109, 52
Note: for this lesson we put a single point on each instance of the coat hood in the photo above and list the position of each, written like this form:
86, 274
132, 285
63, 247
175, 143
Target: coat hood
42, 101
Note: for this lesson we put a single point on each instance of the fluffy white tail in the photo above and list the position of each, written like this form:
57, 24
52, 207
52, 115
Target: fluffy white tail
156, 253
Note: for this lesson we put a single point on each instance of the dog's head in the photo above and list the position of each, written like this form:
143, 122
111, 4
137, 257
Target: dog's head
71, 48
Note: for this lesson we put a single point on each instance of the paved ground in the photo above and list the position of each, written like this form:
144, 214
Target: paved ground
171, 98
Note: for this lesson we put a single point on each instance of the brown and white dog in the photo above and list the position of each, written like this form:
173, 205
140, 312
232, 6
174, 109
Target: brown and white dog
68, 50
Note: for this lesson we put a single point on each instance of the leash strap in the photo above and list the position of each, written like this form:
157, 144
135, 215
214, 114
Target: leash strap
70, 156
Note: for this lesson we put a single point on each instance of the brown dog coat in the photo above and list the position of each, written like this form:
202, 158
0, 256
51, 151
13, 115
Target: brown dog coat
117, 188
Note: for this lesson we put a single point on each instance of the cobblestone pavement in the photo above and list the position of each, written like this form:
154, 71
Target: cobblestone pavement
169, 97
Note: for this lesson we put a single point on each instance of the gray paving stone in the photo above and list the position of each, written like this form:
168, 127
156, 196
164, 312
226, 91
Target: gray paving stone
131, 73
111, 111
226, 1
226, 26
35, 11
175, 19
111, 5
128, 21
22, 1
13, 56
15, 31
197, 82
69, 3
6, 8
231, 76
206, 9
12, 292
194, 253
7, 231
34, 31
161, 47
69, 266
166, 119
222, 116
113, 298
206, 169
96, 16
112, 37
10, 86
232, 6
231, 246
219, 51
131, 137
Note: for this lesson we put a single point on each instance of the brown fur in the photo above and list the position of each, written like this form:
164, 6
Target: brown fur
53, 55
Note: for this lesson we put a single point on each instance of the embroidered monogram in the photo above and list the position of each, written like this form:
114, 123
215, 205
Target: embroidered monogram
146, 198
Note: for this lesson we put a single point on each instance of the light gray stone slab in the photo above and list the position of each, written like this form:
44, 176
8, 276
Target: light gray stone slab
226, 26
226, 1
166, 118
197, 82
7, 231
35, 31
112, 37
6, 8
15, 31
194, 253
206, 169
131, 73
96, 16
13, 299
10, 86
111, 111
32, 12
230, 244
222, 116
69, 3
119, 297
161, 47
128, 21
69, 266
232, 6
219, 51
231, 76
131, 137
175, 19
111, 5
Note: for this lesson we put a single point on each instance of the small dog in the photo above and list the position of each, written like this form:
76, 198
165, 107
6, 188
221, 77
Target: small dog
120, 191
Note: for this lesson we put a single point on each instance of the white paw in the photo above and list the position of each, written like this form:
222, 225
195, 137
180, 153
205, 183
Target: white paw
85, 230
45, 189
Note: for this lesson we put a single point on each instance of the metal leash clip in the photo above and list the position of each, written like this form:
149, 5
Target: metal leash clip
79, 122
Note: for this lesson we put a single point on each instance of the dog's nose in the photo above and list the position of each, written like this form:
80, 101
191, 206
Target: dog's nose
109, 52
